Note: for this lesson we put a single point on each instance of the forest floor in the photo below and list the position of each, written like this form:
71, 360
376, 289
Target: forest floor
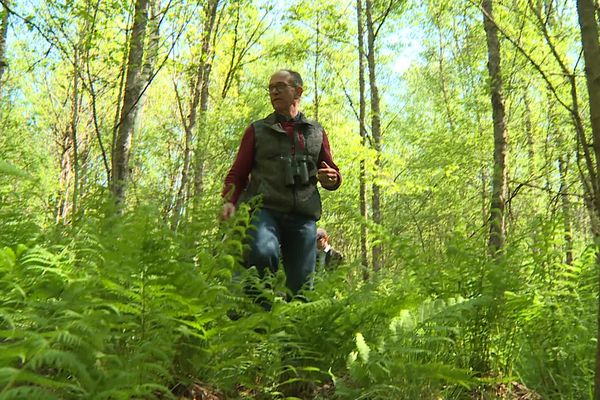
199, 391
510, 391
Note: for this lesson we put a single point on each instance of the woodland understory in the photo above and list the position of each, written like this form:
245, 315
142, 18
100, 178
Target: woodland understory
468, 137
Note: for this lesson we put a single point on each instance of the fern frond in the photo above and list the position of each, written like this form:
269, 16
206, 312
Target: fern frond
112, 394
13, 376
66, 338
11, 353
61, 360
27, 392
152, 390
14, 291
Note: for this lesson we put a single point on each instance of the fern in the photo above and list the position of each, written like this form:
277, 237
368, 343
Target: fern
12, 377
29, 393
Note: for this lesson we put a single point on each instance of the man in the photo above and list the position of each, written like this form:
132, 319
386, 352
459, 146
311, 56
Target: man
285, 154
327, 257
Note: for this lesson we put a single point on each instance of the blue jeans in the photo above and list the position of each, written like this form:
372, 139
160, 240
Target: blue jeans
292, 237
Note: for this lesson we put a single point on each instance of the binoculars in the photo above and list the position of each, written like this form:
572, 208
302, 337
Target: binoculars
295, 170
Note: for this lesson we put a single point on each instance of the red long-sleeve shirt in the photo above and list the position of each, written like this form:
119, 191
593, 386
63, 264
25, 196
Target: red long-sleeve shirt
237, 178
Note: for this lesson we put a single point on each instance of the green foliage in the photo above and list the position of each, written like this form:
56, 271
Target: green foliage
9, 169
125, 308
412, 358
557, 332
101, 317
98, 305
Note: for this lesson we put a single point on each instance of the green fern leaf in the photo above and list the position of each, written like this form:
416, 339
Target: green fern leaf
27, 392
62, 360
362, 347
22, 377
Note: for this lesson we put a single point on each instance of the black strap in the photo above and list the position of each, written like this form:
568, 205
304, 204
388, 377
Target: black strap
296, 134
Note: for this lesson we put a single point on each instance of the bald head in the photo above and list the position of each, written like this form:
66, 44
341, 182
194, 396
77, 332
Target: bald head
295, 76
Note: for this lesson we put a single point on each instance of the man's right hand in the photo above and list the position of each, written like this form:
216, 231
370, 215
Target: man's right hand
227, 211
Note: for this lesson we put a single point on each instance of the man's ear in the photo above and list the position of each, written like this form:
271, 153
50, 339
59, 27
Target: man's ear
299, 91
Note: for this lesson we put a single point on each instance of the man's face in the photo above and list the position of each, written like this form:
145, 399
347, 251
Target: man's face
321, 243
283, 92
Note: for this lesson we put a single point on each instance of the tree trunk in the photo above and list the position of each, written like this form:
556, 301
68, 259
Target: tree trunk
3, 32
134, 86
151, 52
591, 54
364, 257
116, 125
66, 172
73, 156
375, 130
529, 133
73, 131
483, 174
200, 98
180, 196
563, 164
443, 83
564, 161
500, 171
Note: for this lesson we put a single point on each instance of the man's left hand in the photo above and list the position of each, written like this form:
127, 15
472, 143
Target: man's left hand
327, 175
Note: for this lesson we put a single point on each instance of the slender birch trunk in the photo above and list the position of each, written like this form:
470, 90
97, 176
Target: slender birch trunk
134, 85
195, 121
364, 257
151, 52
500, 173
375, 130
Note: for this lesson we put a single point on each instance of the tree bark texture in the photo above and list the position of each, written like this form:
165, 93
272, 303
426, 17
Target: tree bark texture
375, 129
3, 32
150, 51
500, 170
364, 257
134, 86
591, 54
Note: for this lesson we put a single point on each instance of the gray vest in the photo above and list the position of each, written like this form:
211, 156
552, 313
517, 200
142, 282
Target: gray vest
286, 182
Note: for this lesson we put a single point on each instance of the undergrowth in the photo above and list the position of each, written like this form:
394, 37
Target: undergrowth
124, 308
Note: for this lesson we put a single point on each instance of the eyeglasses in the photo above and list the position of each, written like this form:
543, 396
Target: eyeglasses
278, 87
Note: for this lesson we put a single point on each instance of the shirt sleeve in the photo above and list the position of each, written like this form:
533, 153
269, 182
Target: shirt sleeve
237, 178
325, 156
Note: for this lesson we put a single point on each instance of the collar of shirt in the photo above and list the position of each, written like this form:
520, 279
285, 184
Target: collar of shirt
326, 249
282, 118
